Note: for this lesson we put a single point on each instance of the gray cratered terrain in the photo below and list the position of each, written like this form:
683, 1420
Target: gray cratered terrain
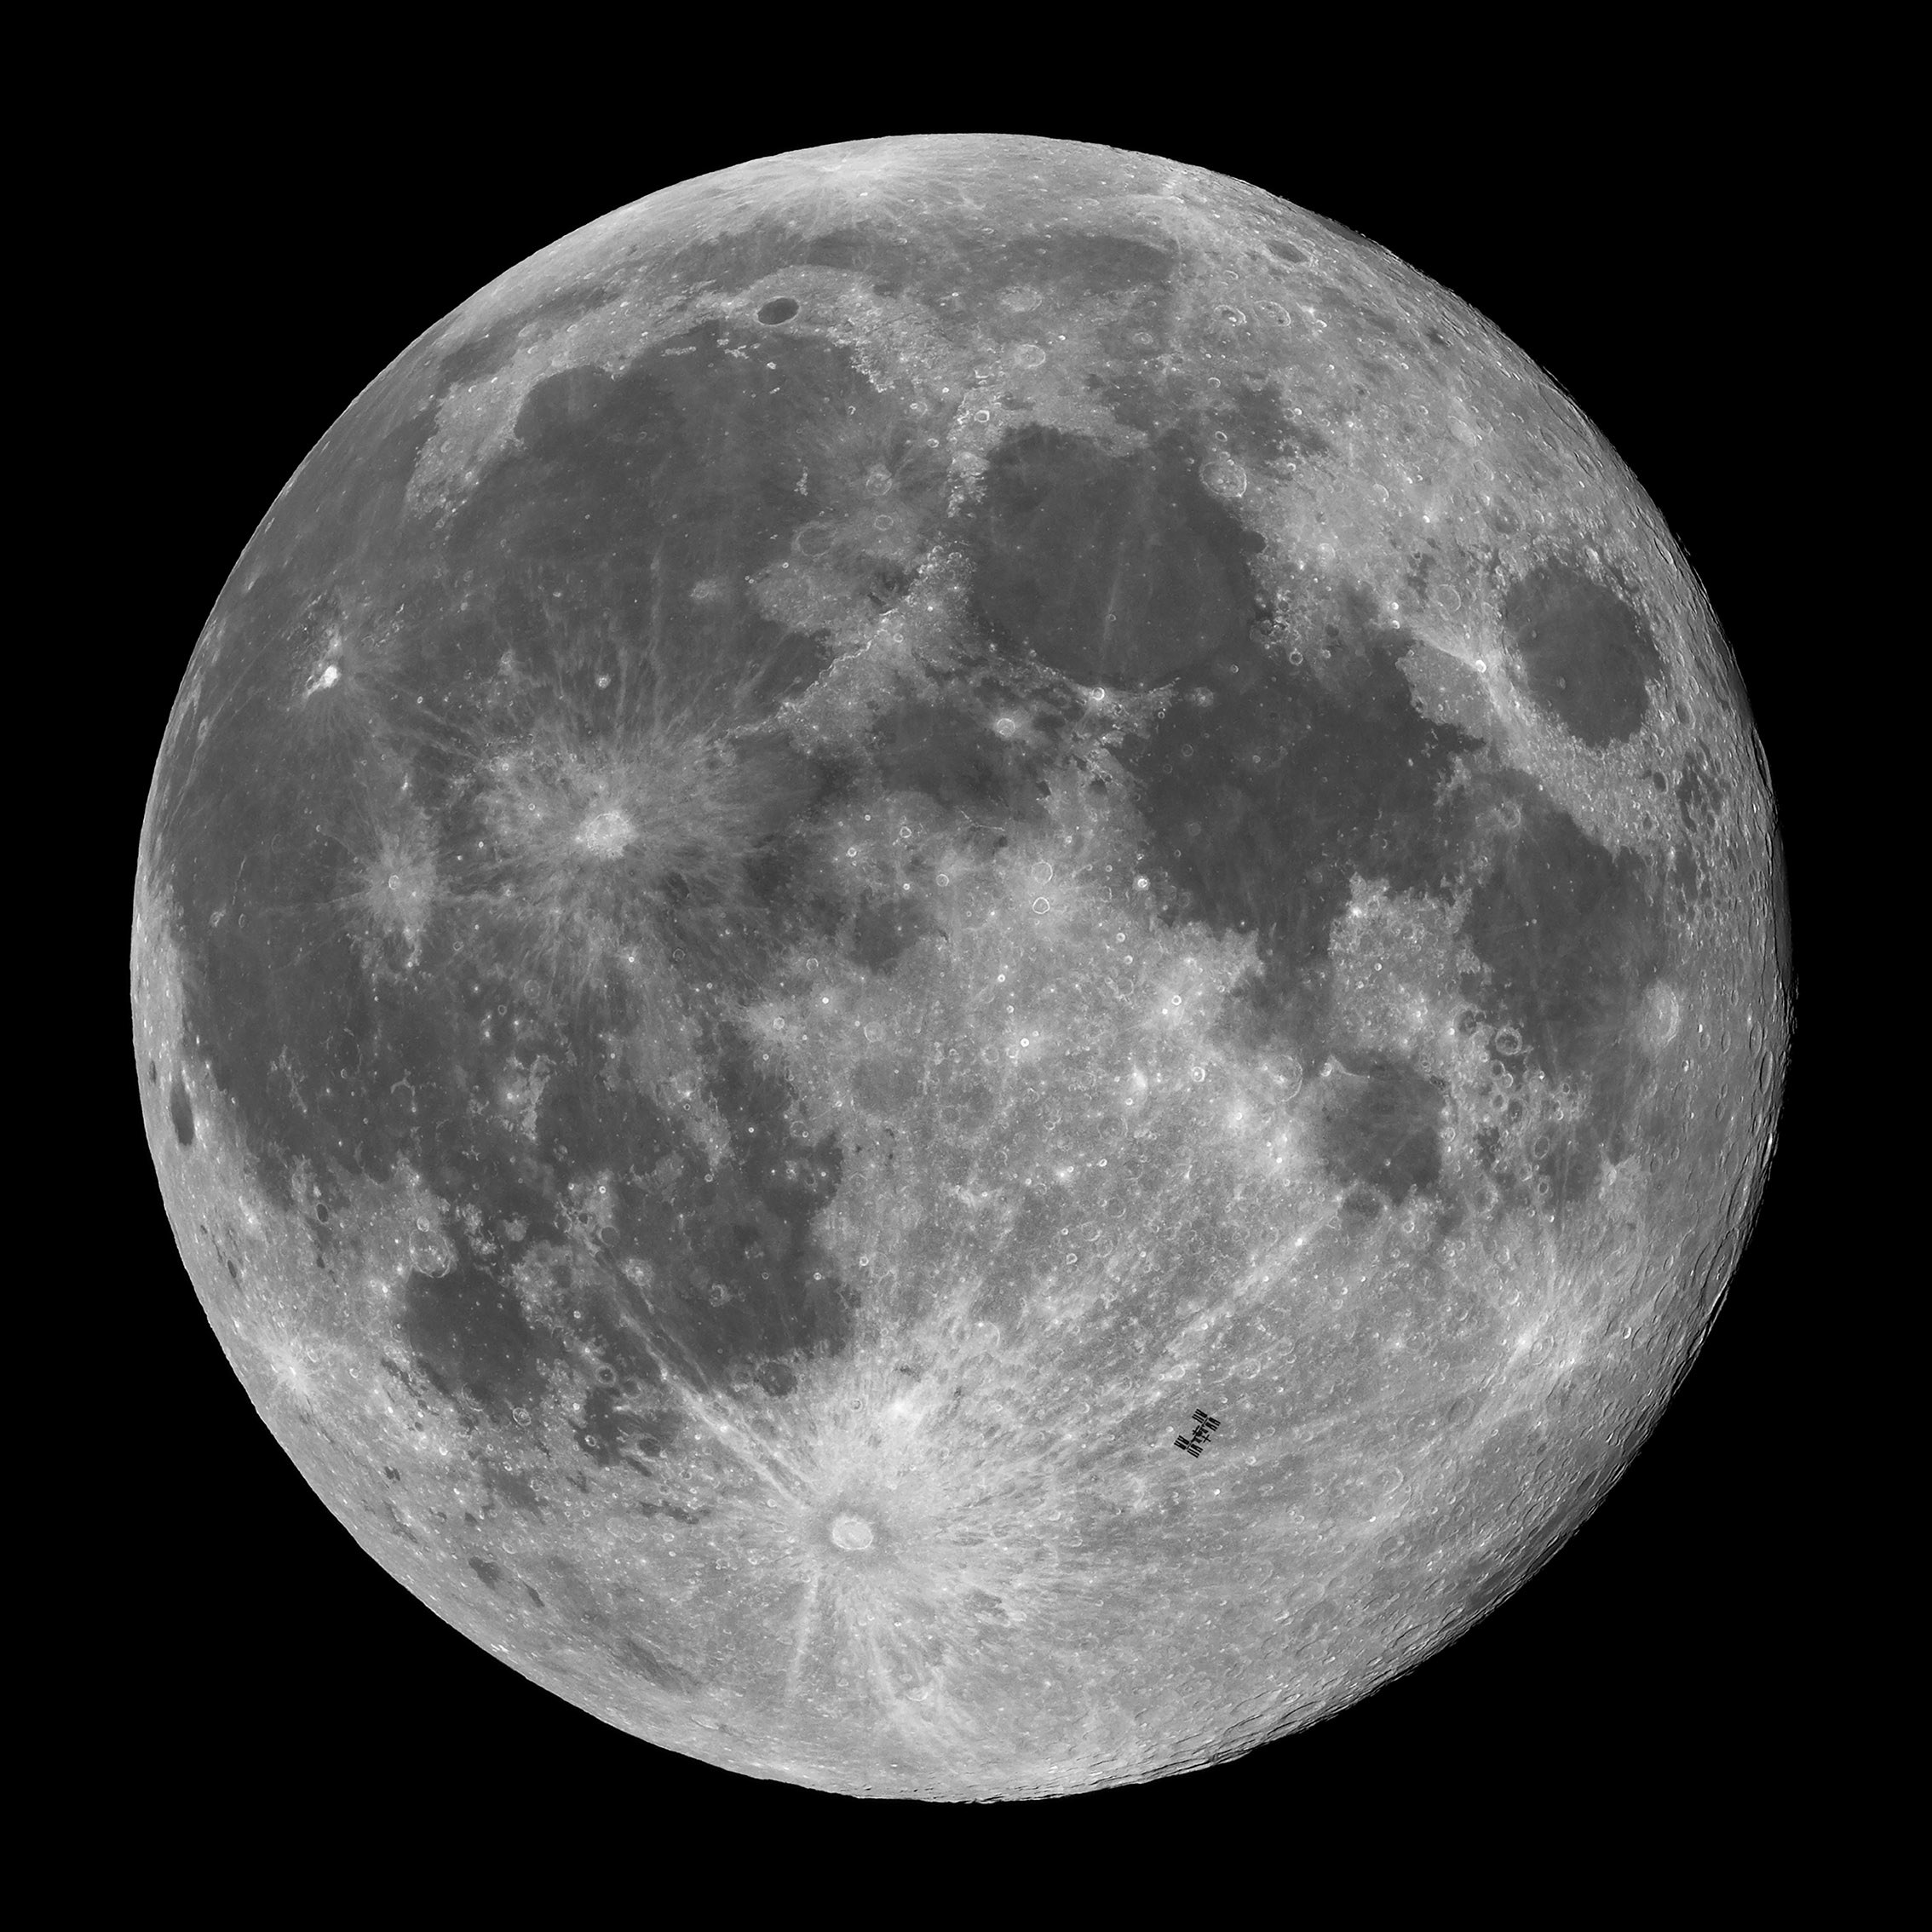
957, 967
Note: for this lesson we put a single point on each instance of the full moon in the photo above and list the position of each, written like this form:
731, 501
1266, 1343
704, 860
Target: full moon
959, 968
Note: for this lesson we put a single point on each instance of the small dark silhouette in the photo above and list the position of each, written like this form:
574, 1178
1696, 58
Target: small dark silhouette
1204, 1426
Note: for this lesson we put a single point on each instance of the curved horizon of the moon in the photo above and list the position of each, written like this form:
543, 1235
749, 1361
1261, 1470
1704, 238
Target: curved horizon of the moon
959, 968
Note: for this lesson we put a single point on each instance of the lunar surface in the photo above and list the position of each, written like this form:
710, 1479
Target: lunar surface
959, 968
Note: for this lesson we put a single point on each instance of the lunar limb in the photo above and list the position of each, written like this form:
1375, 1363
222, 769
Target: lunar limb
888, 832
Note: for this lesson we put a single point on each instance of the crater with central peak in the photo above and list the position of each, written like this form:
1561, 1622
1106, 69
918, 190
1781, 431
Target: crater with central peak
852, 1532
605, 833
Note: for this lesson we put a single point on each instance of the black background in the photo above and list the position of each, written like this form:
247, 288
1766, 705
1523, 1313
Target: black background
282, 253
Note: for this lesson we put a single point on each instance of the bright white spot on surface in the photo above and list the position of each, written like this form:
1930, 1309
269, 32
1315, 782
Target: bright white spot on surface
605, 833
852, 1532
